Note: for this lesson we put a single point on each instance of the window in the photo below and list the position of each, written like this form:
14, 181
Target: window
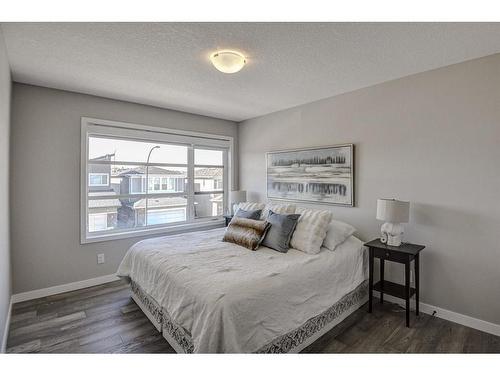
208, 182
98, 179
150, 180
98, 222
137, 185
156, 185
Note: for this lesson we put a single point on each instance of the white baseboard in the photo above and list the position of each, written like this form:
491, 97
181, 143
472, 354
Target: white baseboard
3, 349
452, 316
39, 293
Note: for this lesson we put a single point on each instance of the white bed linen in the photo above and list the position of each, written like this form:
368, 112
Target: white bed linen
231, 299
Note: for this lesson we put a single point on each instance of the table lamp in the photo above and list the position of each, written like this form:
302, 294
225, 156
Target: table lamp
394, 213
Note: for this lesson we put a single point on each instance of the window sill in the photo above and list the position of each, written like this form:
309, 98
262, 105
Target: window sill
174, 229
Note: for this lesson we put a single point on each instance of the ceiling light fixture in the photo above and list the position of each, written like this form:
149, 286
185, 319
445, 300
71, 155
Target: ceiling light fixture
228, 61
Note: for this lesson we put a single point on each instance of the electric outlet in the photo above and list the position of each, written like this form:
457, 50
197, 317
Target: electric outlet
100, 258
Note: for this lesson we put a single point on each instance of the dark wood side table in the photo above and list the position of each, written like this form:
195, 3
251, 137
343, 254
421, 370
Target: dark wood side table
228, 219
403, 254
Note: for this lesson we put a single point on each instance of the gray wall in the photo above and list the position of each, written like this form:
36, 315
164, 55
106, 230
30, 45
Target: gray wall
432, 139
45, 185
5, 87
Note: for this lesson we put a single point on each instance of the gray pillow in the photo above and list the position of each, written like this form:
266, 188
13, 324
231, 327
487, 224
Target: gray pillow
248, 214
279, 234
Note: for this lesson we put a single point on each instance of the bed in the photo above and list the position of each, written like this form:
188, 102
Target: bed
209, 296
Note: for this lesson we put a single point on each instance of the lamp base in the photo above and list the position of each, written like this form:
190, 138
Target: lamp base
392, 233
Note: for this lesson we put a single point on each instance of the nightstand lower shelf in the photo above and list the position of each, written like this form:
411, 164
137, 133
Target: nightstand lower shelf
393, 289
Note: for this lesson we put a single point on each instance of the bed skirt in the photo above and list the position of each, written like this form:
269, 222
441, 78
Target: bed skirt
317, 326
147, 304
292, 342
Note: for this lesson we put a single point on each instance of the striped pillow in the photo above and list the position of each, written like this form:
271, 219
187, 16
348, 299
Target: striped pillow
251, 206
311, 230
282, 209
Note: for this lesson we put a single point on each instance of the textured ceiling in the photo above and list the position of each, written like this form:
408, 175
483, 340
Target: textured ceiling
167, 64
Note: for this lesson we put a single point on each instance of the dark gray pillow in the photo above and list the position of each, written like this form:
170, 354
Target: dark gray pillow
279, 234
248, 214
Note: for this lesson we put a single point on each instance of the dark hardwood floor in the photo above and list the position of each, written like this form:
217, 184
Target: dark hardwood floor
104, 319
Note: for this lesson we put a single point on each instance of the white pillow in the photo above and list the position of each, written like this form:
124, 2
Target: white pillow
338, 232
311, 230
282, 209
250, 206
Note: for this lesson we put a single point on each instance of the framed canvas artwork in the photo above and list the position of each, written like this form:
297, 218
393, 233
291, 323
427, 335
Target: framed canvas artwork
319, 175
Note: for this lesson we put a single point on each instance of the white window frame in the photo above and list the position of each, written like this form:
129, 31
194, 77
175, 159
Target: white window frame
98, 174
93, 126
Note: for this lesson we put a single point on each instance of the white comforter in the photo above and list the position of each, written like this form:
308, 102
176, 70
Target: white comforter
231, 299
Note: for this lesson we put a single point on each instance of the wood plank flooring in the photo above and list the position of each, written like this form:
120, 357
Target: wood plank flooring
104, 319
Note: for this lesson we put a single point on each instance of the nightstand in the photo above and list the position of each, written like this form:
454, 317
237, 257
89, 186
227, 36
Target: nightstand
228, 219
403, 254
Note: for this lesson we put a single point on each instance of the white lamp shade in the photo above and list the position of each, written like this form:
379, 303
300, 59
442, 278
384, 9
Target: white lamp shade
393, 211
237, 196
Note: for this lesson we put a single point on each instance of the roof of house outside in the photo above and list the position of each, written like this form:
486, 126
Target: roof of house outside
103, 157
152, 170
101, 203
208, 172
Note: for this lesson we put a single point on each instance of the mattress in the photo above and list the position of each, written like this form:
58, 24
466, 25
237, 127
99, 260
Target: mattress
230, 299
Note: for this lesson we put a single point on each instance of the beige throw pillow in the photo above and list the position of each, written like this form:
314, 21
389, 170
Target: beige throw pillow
246, 232
311, 230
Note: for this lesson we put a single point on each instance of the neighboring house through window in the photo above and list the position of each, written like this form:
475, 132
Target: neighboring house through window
182, 184
102, 213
